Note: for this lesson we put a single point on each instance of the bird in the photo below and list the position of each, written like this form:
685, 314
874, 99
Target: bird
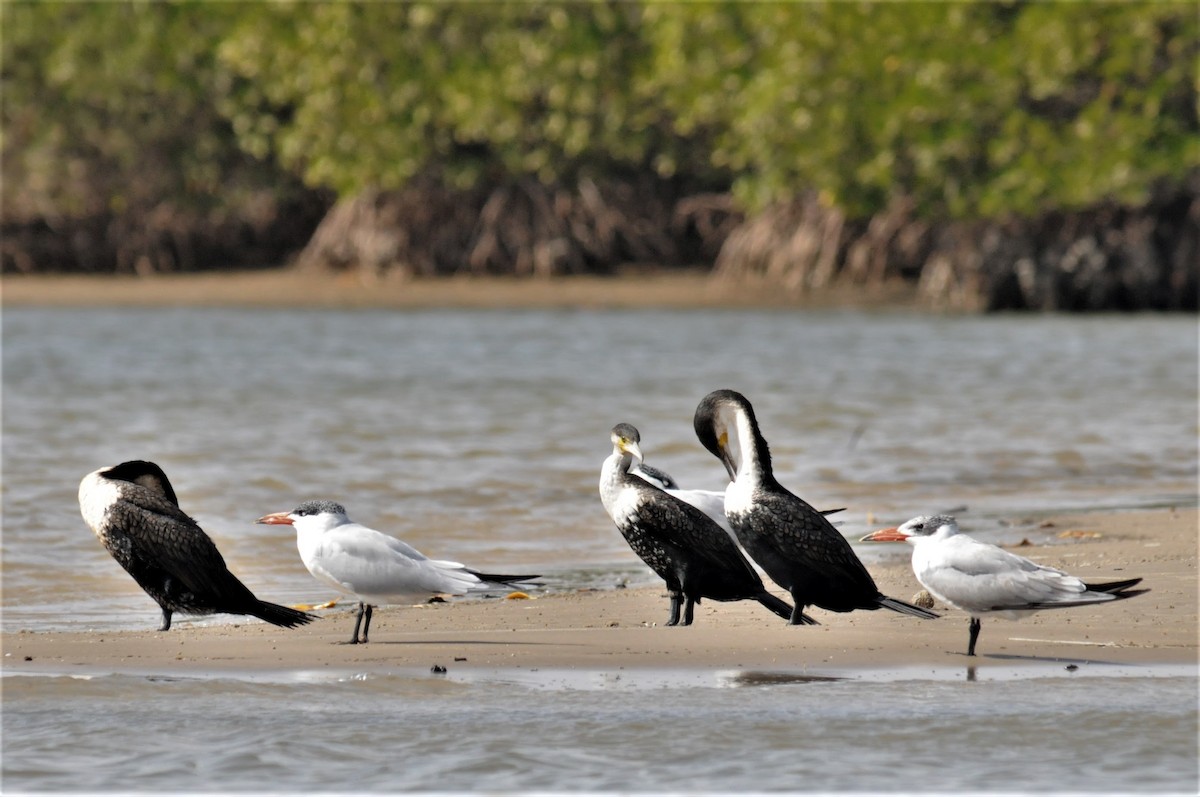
980, 578
710, 502
791, 541
684, 546
135, 513
373, 567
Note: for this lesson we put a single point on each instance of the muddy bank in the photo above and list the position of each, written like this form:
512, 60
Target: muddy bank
1104, 258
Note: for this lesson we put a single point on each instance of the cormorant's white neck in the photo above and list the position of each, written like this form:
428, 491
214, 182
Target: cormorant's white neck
619, 501
746, 447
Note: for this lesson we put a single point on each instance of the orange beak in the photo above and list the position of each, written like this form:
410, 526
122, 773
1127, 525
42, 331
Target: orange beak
275, 519
885, 535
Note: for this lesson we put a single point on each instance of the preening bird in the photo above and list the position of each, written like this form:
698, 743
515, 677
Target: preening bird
133, 509
983, 579
690, 552
375, 568
790, 540
710, 502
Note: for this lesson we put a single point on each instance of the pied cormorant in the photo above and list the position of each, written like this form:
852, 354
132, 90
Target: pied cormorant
690, 552
132, 508
794, 543
710, 502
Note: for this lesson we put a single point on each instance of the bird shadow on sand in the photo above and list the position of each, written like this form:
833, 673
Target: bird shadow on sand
493, 642
1065, 661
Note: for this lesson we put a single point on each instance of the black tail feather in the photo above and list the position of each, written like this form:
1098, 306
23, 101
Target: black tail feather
281, 615
782, 608
1116, 596
497, 578
1115, 586
900, 606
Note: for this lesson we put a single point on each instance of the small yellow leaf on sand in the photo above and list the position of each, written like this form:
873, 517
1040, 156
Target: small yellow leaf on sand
1079, 534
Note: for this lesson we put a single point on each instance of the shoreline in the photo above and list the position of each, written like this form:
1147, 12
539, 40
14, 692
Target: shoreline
291, 288
619, 629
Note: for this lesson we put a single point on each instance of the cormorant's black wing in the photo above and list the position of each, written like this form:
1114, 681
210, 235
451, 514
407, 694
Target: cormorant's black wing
696, 536
801, 532
160, 531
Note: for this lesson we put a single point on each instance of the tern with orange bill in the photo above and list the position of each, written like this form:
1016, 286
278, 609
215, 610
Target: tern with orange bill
983, 579
373, 567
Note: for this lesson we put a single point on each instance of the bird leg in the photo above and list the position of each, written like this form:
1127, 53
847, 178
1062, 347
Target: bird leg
974, 631
798, 617
367, 623
362, 609
688, 609
166, 626
674, 608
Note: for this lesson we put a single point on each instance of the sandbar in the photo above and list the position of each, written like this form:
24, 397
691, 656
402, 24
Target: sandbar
624, 628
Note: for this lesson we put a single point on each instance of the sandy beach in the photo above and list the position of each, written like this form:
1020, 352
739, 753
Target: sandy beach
292, 288
621, 628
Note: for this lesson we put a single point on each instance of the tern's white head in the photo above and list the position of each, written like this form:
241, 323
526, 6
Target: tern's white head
310, 516
923, 527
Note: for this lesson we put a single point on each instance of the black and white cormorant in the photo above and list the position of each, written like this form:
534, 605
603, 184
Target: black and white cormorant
983, 579
691, 553
374, 567
132, 508
794, 543
710, 502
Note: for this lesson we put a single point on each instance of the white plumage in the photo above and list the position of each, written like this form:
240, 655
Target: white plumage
983, 579
373, 567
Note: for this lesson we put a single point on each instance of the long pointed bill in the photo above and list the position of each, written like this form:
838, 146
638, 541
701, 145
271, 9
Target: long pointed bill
276, 519
633, 448
727, 461
726, 457
885, 535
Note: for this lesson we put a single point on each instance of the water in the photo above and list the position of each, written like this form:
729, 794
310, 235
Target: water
478, 436
648, 731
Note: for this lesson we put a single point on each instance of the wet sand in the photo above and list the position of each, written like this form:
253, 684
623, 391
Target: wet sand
621, 628
291, 288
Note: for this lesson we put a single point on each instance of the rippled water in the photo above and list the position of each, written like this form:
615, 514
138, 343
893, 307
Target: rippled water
478, 436
680, 731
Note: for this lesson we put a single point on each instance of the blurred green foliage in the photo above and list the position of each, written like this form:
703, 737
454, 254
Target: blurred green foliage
970, 109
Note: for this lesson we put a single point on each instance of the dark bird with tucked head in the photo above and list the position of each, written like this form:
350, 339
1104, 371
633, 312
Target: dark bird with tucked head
133, 510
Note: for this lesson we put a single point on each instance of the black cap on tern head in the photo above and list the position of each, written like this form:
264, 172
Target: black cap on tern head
319, 507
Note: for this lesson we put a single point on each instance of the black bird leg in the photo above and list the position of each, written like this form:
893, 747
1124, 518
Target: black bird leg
688, 609
166, 626
974, 631
367, 623
798, 617
674, 609
363, 609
